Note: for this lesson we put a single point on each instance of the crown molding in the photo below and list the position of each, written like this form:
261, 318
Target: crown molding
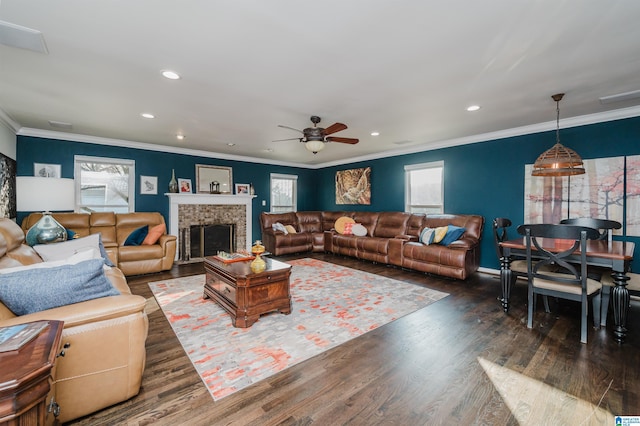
583, 120
50, 134
8, 122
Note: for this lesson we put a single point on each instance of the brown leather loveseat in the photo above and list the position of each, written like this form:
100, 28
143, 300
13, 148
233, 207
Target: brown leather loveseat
115, 228
391, 238
105, 357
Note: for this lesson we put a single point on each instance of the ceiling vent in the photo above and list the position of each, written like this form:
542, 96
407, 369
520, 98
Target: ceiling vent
22, 37
60, 125
620, 97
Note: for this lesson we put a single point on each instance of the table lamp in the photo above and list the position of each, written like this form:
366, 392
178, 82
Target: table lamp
45, 194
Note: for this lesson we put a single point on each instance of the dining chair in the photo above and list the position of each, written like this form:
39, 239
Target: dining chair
570, 281
605, 227
518, 266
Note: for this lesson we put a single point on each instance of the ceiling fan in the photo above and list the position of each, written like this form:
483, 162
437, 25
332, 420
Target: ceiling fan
315, 137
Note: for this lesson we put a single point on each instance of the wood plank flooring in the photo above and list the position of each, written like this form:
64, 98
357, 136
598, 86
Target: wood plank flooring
459, 361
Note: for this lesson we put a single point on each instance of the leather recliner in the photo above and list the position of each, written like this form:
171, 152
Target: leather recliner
105, 357
115, 228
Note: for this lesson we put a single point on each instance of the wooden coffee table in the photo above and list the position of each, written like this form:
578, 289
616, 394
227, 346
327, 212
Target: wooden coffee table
246, 295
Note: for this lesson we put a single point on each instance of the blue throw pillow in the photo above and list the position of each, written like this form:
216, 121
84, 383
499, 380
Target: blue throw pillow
34, 290
453, 234
70, 234
137, 236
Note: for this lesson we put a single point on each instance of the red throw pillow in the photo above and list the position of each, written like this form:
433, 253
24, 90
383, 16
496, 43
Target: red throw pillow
154, 234
347, 229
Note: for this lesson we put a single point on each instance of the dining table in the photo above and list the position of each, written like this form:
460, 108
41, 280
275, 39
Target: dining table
613, 255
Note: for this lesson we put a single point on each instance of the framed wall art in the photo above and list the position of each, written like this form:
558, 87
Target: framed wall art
148, 185
47, 170
213, 179
353, 186
184, 186
242, 188
7, 187
598, 193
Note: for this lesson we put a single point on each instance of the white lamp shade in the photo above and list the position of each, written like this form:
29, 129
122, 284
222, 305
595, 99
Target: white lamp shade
37, 194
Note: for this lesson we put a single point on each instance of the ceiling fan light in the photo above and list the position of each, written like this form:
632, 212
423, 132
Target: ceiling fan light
314, 146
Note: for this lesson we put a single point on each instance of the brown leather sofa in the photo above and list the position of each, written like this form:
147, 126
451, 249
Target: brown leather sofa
392, 238
115, 228
105, 359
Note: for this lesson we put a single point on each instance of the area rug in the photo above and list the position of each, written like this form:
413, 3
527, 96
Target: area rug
331, 304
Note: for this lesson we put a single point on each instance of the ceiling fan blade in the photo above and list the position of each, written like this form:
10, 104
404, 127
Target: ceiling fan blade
352, 141
289, 139
335, 127
290, 128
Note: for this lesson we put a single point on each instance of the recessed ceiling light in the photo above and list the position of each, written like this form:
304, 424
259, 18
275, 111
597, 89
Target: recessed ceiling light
231, 144
171, 75
180, 137
147, 115
473, 108
375, 133
268, 150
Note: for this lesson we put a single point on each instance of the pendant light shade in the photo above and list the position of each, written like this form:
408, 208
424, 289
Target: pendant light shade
558, 160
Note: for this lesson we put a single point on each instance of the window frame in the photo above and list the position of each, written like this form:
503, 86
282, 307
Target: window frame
408, 206
77, 173
281, 176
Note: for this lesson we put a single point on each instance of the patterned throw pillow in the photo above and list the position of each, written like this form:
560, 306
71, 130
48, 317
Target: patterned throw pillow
348, 228
341, 222
426, 236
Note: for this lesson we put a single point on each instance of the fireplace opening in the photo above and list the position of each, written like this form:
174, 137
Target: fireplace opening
208, 240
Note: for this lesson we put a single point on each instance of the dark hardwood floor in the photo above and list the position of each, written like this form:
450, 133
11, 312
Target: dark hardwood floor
458, 361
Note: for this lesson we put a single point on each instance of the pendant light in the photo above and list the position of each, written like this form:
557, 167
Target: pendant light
558, 160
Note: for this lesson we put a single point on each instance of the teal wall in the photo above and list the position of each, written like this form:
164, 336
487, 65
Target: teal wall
485, 178
153, 163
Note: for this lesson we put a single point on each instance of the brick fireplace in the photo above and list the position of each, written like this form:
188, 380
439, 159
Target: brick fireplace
189, 210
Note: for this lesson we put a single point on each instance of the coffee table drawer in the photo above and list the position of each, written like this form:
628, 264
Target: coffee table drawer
222, 288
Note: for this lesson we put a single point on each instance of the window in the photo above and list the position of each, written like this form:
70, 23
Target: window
424, 187
283, 193
104, 184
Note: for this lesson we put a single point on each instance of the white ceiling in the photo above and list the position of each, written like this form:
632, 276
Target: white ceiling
407, 69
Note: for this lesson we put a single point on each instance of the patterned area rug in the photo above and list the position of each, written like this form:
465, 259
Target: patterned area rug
331, 304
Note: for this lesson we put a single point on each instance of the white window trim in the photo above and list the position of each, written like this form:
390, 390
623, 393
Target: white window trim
77, 159
284, 176
420, 166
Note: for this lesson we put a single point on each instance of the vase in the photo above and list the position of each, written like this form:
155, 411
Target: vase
173, 183
258, 264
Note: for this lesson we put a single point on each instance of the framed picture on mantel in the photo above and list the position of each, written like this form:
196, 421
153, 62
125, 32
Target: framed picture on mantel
213, 179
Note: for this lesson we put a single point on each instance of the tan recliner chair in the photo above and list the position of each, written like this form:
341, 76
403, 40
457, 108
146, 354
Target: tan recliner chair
105, 338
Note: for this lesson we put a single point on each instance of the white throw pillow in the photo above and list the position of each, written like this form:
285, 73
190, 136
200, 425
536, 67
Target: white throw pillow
359, 230
81, 256
66, 249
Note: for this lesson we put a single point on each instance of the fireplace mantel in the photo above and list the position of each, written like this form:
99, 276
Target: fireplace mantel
175, 200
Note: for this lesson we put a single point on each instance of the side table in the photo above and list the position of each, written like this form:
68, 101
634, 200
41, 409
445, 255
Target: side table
25, 378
